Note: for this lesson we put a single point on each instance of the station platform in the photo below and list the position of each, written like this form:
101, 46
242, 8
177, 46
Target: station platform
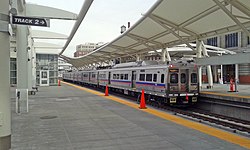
222, 91
70, 117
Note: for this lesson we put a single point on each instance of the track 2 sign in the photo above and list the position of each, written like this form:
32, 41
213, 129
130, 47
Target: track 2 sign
30, 21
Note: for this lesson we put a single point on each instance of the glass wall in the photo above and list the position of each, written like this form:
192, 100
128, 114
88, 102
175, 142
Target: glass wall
47, 62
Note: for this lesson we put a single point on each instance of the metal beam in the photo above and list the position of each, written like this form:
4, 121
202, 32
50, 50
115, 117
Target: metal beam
81, 16
173, 25
232, 17
173, 32
239, 6
134, 36
142, 41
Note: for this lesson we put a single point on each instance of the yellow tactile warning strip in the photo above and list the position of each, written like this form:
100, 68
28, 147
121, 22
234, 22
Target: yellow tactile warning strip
244, 142
224, 94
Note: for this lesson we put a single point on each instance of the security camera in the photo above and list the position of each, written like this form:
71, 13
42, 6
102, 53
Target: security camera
28, 48
13, 11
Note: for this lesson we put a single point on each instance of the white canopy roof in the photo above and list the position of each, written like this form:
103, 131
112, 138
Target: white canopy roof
173, 22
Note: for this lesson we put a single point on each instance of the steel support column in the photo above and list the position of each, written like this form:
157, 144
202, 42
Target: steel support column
198, 48
209, 70
236, 72
168, 55
138, 57
221, 74
22, 66
5, 111
33, 63
163, 55
29, 65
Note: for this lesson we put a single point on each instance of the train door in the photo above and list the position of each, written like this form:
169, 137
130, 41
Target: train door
97, 79
193, 82
133, 79
184, 80
109, 76
173, 81
89, 76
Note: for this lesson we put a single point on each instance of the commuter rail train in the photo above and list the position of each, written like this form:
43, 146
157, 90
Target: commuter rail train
173, 84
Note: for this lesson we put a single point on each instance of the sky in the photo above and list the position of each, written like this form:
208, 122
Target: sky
102, 22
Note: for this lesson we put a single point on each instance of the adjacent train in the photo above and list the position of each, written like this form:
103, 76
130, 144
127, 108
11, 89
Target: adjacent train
174, 84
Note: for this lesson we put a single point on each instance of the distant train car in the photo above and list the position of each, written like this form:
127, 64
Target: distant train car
172, 84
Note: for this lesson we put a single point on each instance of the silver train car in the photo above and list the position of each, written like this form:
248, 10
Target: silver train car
173, 84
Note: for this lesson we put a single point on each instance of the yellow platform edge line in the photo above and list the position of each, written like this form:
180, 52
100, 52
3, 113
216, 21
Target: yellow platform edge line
222, 94
232, 138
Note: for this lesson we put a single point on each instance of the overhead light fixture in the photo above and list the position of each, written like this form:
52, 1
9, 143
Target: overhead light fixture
123, 29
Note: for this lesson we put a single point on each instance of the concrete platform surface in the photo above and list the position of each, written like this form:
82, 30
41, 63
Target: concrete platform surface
67, 118
221, 91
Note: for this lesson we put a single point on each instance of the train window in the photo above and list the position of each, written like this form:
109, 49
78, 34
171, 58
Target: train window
142, 77
114, 76
183, 78
126, 77
174, 78
102, 76
117, 76
122, 76
148, 77
155, 78
162, 78
193, 78
93, 75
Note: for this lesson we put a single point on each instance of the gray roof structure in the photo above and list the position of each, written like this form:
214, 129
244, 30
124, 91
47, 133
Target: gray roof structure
172, 22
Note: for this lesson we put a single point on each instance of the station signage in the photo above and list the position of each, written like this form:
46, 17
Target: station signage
30, 21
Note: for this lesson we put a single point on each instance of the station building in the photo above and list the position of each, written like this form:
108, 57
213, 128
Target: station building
238, 42
46, 68
84, 49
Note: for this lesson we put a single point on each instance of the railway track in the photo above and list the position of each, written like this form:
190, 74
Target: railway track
235, 124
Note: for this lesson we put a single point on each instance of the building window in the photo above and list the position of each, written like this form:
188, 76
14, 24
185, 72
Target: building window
231, 40
212, 41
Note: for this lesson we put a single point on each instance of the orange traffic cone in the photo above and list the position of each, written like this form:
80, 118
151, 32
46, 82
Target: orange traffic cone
59, 83
107, 91
142, 104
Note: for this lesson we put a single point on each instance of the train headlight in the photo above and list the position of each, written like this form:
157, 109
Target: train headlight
194, 99
172, 100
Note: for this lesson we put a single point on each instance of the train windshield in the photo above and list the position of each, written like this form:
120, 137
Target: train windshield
174, 78
193, 78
